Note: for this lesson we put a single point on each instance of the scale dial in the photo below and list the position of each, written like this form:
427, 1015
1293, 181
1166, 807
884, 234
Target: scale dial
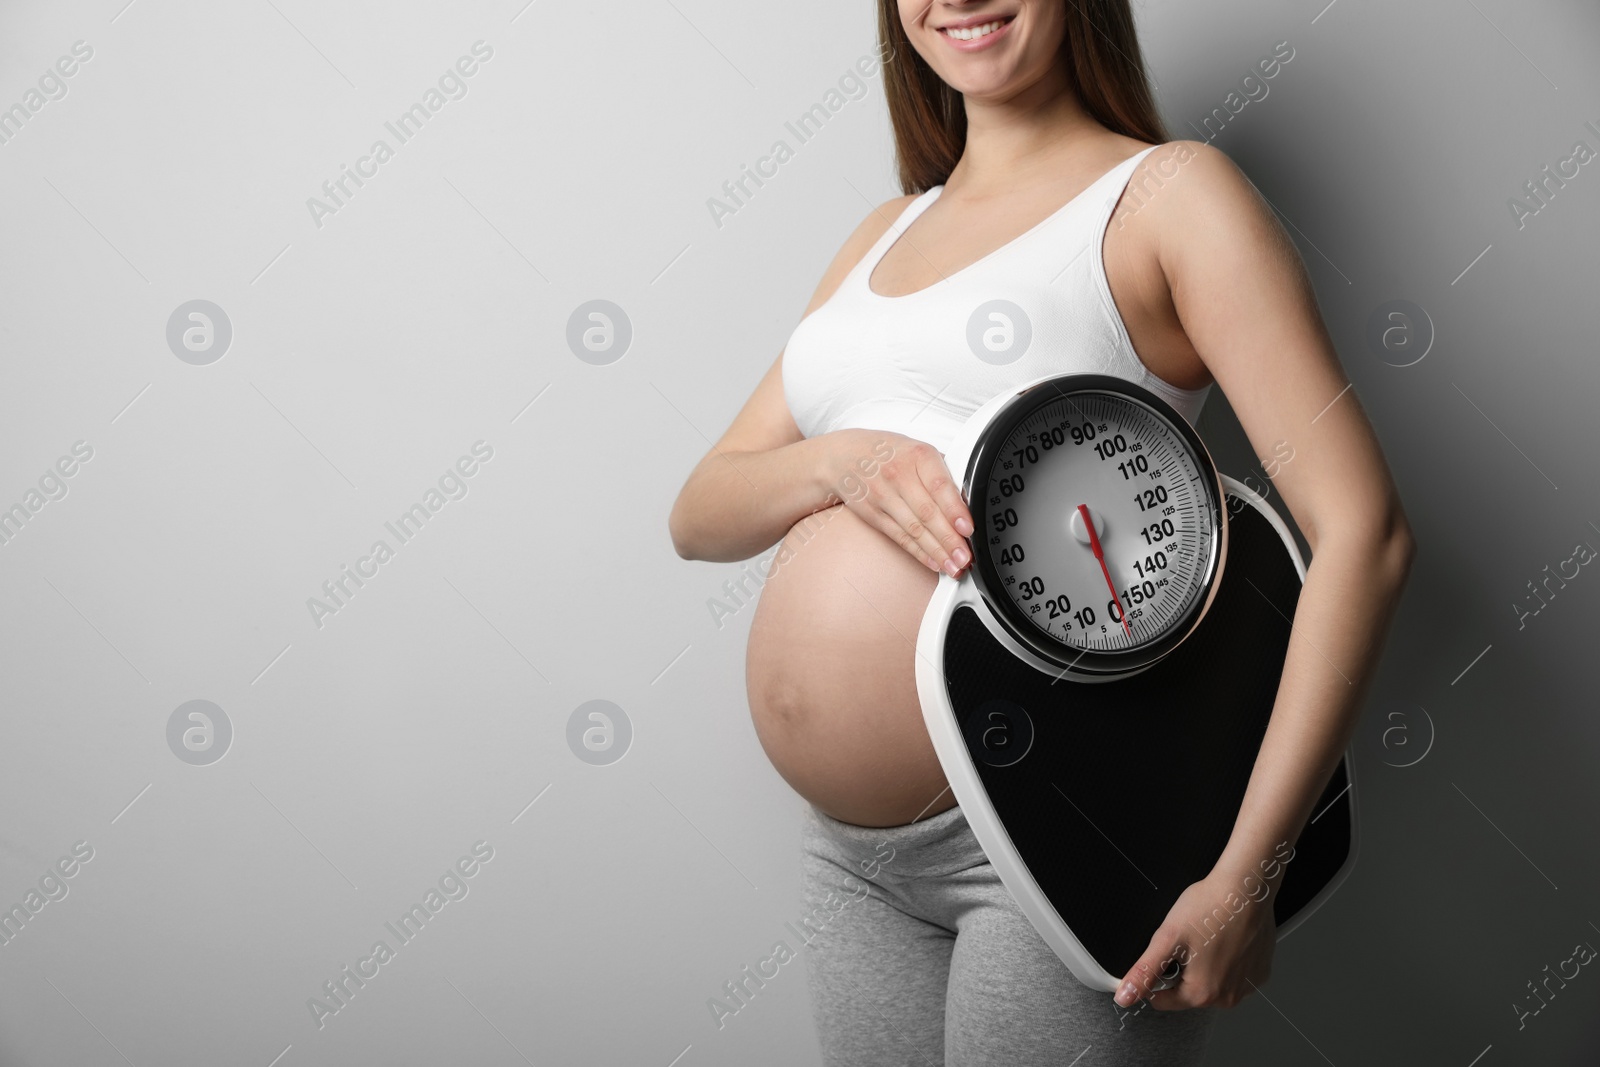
1099, 529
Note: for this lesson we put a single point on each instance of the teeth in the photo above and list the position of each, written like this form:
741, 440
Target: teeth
972, 33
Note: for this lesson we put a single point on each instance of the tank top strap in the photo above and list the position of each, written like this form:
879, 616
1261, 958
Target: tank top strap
1118, 178
869, 262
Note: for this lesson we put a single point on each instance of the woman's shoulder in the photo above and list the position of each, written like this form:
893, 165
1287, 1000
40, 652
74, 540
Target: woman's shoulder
1184, 189
1195, 169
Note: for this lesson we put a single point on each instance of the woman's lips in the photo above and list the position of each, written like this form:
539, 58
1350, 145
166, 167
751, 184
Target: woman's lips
1000, 26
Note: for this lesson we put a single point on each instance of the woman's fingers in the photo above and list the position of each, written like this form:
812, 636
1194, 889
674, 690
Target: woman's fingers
912, 531
946, 494
1191, 991
935, 523
913, 501
916, 510
909, 503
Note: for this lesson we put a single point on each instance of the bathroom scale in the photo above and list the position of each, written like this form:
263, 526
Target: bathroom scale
1098, 682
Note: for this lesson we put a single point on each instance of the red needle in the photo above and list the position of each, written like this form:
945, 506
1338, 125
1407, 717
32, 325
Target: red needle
1094, 543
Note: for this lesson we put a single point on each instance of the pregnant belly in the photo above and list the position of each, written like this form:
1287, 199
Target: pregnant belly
831, 676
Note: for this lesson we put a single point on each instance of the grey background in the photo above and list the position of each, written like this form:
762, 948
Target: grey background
368, 354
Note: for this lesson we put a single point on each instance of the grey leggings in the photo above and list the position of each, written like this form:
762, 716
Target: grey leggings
918, 955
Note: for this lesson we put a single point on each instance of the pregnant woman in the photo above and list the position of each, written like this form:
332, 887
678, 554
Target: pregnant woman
1038, 173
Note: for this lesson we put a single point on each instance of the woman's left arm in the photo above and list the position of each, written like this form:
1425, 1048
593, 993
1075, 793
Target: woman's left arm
1244, 299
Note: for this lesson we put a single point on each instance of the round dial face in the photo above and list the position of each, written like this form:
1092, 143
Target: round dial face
1098, 523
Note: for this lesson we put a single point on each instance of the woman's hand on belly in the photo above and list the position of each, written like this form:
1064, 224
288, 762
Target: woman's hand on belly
901, 487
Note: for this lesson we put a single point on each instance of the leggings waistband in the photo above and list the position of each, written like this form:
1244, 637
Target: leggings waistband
939, 844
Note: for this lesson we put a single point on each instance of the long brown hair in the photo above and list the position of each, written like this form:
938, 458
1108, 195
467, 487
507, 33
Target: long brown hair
1104, 68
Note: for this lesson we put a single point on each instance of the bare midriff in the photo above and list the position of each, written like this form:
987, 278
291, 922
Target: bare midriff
831, 673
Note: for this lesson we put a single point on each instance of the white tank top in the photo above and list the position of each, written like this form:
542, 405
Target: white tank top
921, 364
